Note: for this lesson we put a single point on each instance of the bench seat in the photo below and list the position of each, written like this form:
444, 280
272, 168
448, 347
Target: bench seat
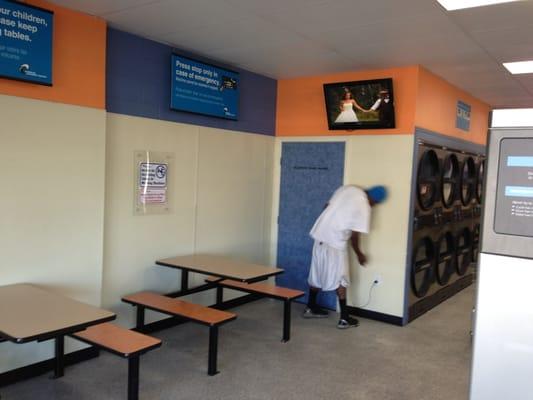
124, 343
263, 289
211, 317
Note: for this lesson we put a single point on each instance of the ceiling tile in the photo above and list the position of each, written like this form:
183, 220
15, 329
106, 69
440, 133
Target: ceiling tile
101, 7
496, 17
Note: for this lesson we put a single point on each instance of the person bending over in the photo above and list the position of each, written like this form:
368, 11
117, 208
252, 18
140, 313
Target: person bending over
345, 217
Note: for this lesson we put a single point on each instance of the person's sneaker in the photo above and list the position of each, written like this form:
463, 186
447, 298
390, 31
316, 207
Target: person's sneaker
315, 313
347, 323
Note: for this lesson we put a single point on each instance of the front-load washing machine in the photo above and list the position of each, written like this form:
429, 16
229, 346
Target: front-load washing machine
427, 188
445, 268
450, 186
463, 248
468, 186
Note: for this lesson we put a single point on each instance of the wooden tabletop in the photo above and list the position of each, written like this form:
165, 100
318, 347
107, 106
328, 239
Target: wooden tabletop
223, 267
29, 313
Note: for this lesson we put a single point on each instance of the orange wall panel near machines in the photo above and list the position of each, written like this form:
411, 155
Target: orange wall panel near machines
301, 109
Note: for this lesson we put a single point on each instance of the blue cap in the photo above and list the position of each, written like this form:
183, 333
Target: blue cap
377, 193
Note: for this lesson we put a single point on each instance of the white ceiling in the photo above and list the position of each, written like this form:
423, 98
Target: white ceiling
294, 38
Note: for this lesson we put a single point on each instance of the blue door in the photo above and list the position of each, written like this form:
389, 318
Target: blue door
310, 173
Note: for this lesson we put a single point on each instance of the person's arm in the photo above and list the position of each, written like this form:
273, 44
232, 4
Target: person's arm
376, 105
355, 245
358, 106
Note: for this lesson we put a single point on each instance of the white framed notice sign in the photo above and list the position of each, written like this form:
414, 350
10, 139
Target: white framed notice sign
152, 189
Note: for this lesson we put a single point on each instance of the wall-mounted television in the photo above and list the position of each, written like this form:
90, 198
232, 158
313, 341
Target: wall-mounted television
26, 34
203, 88
360, 104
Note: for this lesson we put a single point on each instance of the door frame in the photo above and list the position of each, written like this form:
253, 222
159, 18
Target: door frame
276, 179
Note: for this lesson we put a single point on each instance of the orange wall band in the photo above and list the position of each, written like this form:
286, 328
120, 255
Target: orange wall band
421, 99
436, 109
78, 61
301, 109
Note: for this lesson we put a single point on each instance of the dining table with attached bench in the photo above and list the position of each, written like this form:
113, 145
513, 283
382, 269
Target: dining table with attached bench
29, 313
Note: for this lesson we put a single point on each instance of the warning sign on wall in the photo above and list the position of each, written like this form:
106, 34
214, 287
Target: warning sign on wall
153, 175
152, 188
153, 196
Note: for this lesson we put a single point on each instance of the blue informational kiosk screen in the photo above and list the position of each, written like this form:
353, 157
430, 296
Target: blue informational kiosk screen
204, 89
26, 34
514, 202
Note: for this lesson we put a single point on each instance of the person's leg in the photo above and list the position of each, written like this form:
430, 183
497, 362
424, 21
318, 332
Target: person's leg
341, 293
315, 283
313, 294
345, 320
313, 310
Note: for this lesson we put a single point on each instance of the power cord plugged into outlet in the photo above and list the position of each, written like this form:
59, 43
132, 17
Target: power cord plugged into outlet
375, 282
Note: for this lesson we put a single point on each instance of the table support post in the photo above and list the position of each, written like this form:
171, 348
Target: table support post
133, 378
140, 318
220, 295
286, 321
184, 280
59, 362
213, 348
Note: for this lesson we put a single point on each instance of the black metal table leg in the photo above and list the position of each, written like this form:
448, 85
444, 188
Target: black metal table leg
286, 321
220, 295
213, 349
133, 378
59, 362
184, 280
140, 318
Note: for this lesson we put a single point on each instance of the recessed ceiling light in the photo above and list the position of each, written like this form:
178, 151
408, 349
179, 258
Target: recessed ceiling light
451, 5
520, 67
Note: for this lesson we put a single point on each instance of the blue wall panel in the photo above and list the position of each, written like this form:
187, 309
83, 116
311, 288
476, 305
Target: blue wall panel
310, 173
138, 84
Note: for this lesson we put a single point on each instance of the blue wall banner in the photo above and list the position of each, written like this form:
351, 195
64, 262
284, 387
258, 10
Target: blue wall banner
26, 42
204, 89
463, 116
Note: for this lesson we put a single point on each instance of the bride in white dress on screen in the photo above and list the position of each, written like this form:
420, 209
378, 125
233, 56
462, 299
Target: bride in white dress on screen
346, 107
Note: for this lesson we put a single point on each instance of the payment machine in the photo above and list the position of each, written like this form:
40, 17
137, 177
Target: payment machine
502, 366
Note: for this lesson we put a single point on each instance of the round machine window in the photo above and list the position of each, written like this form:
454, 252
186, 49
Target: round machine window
445, 258
422, 268
427, 179
464, 251
450, 180
468, 181
479, 181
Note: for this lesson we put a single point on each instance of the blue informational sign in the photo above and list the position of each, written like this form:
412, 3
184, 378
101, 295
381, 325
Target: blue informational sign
26, 42
204, 89
463, 116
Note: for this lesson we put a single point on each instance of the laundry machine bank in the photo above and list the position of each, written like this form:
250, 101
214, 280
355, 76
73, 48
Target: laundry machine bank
445, 217
503, 331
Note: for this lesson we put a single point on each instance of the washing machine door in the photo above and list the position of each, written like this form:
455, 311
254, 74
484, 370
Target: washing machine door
464, 250
450, 180
445, 258
427, 179
423, 266
475, 243
468, 181
479, 181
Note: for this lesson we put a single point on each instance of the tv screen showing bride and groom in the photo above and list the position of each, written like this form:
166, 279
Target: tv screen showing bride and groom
360, 104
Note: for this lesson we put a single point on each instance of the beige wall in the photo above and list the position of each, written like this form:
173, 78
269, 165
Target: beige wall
221, 201
57, 160
52, 169
372, 160
385, 160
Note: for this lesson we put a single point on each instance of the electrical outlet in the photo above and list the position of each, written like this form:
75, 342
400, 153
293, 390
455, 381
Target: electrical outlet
378, 280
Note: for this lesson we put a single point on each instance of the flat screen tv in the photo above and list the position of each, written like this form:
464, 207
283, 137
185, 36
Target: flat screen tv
26, 34
203, 88
360, 104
